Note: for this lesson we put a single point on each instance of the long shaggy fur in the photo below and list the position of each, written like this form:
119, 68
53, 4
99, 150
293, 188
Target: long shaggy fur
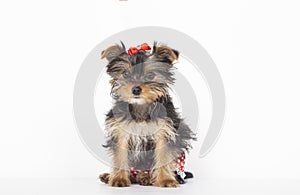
143, 131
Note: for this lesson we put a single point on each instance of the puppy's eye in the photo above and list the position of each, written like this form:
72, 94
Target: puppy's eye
150, 76
126, 74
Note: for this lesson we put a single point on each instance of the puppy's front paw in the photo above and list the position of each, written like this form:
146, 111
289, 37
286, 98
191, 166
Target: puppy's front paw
168, 183
119, 182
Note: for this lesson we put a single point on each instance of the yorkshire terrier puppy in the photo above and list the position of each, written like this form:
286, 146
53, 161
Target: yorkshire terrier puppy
145, 135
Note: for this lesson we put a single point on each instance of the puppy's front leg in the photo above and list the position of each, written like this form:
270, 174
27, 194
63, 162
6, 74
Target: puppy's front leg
120, 176
163, 175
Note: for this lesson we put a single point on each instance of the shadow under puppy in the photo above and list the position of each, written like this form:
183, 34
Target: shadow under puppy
145, 135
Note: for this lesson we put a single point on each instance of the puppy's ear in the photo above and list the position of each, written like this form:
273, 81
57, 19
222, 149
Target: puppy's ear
112, 52
165, 53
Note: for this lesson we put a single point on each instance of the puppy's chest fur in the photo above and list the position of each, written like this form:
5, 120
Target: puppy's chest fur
139, 126
142, 136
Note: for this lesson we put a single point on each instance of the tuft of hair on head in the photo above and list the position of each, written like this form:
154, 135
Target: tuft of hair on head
165, 53
138, 58
113, 51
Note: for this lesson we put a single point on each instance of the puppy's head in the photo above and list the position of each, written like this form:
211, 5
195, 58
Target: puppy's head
142, 77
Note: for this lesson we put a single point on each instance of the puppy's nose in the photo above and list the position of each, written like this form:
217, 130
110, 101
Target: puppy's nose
136, 90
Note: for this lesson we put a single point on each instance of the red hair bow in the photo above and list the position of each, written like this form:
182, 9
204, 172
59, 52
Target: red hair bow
134, 50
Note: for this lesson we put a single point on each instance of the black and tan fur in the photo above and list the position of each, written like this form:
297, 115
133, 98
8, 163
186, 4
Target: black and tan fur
143, 131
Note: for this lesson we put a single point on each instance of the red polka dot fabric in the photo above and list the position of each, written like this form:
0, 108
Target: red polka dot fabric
180, 163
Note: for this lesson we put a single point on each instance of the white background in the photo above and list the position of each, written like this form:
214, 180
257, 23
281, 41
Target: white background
255, 45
